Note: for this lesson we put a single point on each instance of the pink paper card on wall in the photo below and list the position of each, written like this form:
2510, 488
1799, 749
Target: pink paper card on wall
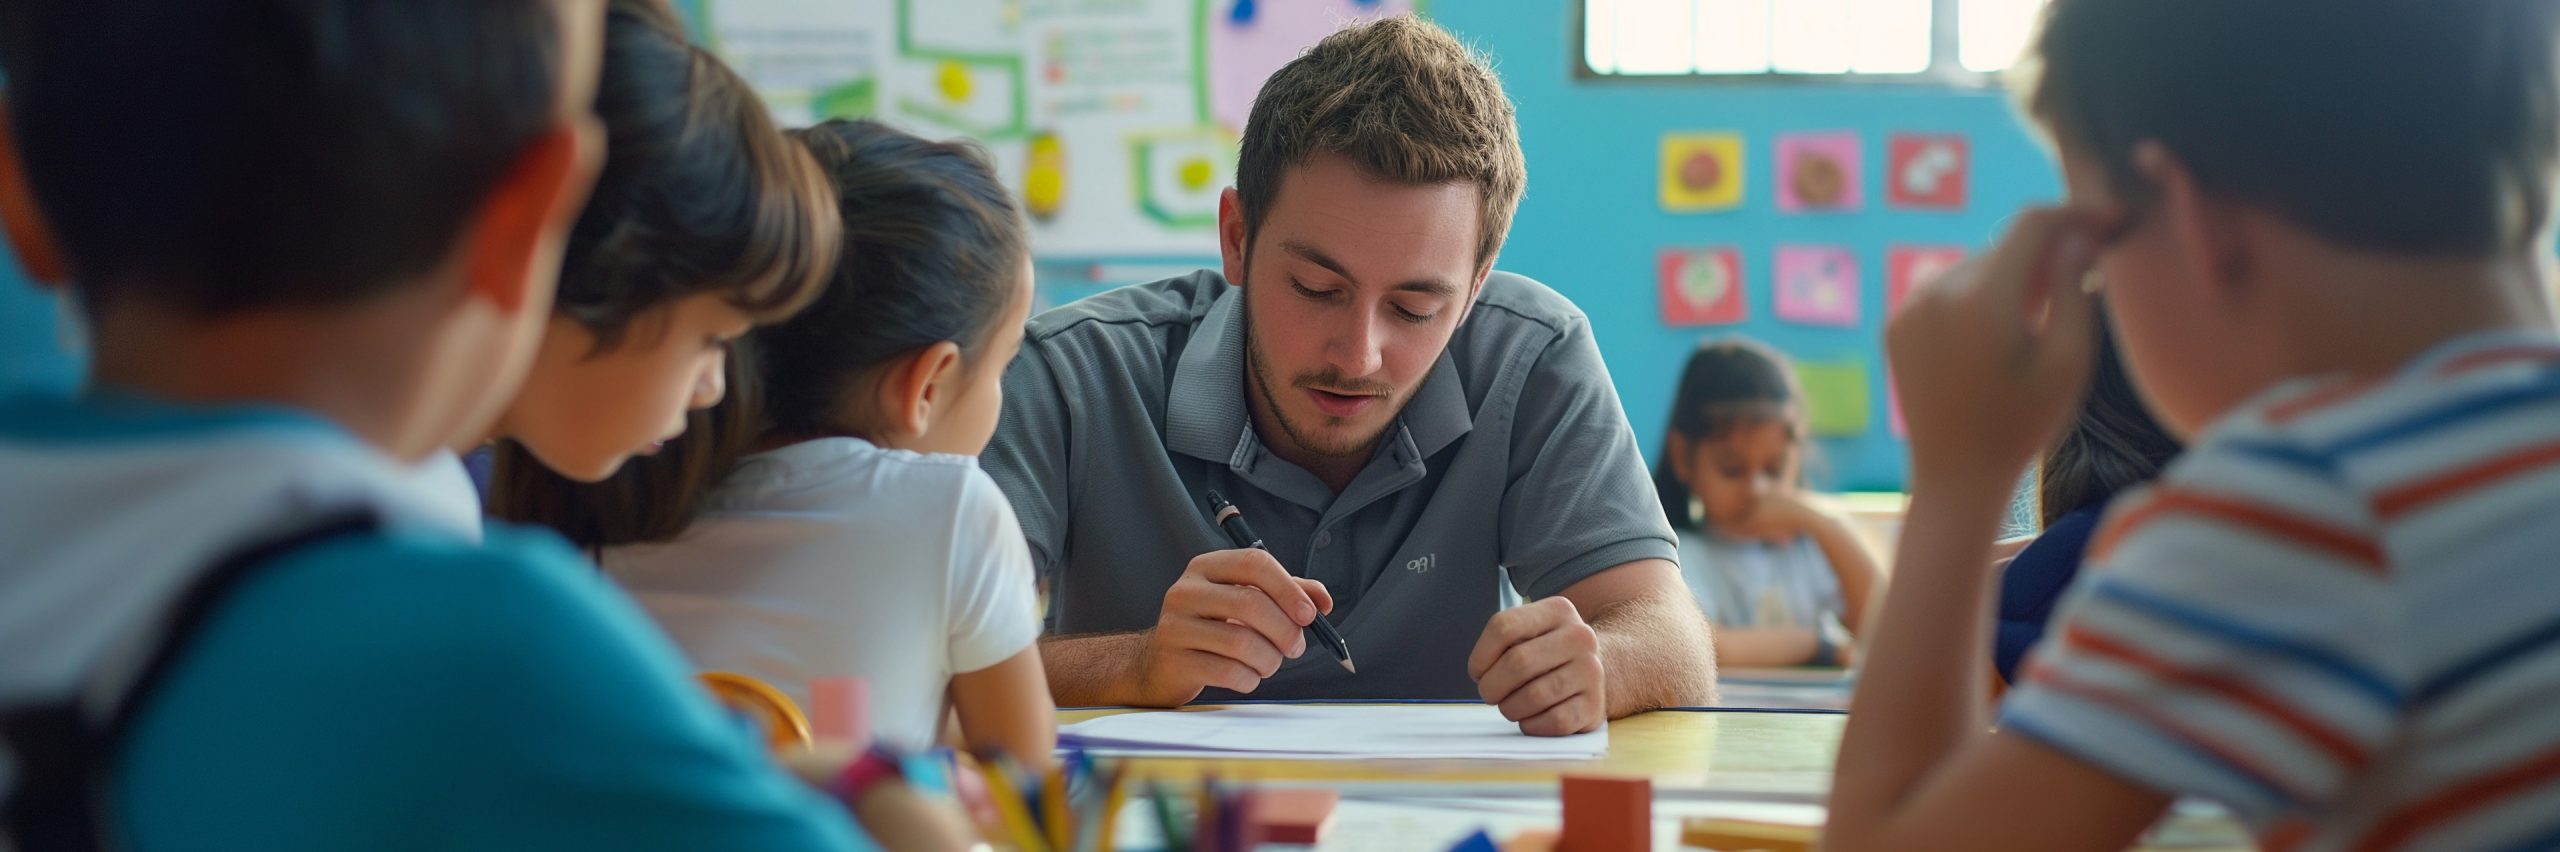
1820, 173
1701, 286
1928, 171
1893, 402
1907, 267
1817, 285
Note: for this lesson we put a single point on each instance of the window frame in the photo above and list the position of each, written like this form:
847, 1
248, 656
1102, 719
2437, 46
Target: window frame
1946, 62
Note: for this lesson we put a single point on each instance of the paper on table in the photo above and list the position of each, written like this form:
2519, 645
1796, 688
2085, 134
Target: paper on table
1329, 732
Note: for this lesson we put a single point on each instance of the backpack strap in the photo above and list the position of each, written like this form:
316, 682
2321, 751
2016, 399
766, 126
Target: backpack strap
63, 749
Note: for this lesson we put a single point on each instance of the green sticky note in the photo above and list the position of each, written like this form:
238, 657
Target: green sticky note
1835, 397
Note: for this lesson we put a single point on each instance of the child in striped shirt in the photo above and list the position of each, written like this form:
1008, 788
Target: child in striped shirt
2323, 231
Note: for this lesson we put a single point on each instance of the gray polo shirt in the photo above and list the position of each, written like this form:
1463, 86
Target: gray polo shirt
1514, 454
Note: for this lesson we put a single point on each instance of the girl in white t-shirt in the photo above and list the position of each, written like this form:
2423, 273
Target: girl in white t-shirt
829, 517
1778, 574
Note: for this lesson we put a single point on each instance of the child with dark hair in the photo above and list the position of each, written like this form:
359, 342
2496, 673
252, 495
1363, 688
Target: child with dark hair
833, 520
2113, 445
704, 222
1780, 576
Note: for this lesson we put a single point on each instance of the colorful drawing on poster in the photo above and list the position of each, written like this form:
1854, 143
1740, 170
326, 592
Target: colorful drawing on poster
982, 96
961, 67
1820, 172
1836, 397
1701, 286
1817, 285
1929, 171
1181, 174
1907, 267
1701, 172
849, 99
1250, 40
1044, 177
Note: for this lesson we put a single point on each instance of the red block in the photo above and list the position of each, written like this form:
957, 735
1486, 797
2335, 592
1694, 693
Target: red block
1294, 817
1607, 814
840, 710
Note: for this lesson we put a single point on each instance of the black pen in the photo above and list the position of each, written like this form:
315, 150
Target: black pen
1226, 516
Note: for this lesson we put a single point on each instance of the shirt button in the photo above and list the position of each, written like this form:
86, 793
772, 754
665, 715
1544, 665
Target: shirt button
1324, 539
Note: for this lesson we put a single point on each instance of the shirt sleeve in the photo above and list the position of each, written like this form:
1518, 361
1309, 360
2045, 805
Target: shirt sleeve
2032, 584
1579, 500
2233, 639
1028, 458
994, 608
392, 695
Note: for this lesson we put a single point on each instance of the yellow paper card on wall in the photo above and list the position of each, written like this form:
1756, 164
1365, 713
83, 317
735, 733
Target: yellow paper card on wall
1701, 171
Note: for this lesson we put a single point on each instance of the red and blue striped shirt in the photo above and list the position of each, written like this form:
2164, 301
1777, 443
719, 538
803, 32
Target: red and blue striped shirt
2332, 614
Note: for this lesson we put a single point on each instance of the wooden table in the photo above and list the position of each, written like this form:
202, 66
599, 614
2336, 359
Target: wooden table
1772, 754
1773, 757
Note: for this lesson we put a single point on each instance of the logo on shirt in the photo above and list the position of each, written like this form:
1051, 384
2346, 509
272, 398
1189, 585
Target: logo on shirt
1424, 564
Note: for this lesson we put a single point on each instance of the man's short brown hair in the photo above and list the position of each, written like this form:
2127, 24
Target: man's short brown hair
1401, 99
2425, 127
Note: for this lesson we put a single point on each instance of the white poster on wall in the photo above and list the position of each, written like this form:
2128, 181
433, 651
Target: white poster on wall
1114, 121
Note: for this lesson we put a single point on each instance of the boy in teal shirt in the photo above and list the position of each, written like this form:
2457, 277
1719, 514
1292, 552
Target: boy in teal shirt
316, 241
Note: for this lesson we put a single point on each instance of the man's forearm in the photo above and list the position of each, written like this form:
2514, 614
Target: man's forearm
1656, 651
1093, 669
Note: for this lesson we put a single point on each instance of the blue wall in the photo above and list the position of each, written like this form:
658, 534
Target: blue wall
1591, 225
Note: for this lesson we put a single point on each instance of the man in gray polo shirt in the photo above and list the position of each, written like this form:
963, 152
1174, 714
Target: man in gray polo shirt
1402, 425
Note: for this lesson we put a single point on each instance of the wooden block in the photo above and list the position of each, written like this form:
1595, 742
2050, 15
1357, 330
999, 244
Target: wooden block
1298, 817
1740, 835
840, 710
1532, 840
1607, 814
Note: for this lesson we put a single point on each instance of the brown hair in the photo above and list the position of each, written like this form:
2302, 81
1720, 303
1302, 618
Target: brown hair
1404, 102
700, 191
1727, 384
220, 157
933, 252
2423, 128
2114, 443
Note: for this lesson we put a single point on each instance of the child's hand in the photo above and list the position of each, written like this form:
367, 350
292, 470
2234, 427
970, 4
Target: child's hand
1783, 516
1991, 358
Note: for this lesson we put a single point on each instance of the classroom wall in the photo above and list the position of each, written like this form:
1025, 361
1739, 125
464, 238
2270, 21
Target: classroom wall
1591, 224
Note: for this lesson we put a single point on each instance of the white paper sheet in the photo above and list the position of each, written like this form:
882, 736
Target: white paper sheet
1429, 823
1329, 732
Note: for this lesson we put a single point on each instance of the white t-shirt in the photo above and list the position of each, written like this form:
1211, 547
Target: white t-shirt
1757, 584
836, 557
445, 489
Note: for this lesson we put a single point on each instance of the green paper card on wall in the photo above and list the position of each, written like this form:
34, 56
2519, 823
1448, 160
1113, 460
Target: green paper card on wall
1835, 397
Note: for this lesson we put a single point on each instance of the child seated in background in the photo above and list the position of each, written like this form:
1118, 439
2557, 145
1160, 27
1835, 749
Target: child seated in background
2113, 445
2324, 233
1778, 574
860, 537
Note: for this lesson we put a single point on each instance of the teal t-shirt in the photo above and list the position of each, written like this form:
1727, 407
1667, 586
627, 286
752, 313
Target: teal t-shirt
408, 692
